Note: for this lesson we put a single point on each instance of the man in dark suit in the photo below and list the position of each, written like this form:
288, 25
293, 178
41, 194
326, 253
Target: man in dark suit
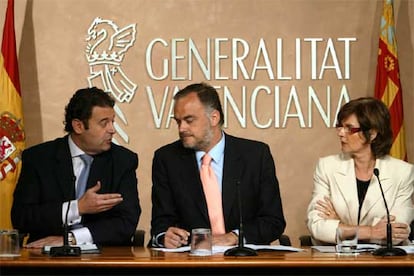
107, 212
178, 198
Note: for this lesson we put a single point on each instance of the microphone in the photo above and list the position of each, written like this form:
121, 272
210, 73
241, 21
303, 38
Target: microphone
240, 250
66, 249
389, 250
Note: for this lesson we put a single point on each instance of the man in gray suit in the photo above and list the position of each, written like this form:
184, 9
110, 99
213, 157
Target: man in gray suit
179, 202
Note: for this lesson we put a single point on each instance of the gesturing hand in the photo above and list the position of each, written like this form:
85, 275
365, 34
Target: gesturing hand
91, 202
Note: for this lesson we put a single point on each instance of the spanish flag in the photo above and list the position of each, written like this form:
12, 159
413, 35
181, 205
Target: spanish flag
12, 137
388, 86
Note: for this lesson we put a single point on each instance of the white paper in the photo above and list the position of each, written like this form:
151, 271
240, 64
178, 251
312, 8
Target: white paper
407, 248
179, 249
222, 249
362, 248
324, 248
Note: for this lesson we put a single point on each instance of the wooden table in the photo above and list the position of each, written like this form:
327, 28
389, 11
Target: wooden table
144, 261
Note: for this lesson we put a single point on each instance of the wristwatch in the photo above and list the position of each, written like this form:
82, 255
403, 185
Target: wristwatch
71, 239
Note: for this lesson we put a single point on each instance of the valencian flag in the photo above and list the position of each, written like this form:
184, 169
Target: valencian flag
388, 86
12, 138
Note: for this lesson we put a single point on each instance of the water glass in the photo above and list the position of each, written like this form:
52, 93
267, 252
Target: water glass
346, 241
9, 243
201, 242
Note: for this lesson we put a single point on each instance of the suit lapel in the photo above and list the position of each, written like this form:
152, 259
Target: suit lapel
232, 168
373, 196
346, 181
65, 178
101, 170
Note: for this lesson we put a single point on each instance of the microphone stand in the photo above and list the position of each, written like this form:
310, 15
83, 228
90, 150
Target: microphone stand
66, 249
240, 250
389, 250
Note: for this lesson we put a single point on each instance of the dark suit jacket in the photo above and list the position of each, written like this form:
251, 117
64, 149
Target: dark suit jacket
178, 198
47, 180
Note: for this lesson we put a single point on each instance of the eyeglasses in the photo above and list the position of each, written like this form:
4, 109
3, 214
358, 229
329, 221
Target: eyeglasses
348, 129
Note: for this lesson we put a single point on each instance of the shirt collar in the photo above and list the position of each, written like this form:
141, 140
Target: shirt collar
216, 153
75, 151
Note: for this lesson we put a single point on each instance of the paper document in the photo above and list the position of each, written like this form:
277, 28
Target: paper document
331, 248
222, 249
362, 248
407, 248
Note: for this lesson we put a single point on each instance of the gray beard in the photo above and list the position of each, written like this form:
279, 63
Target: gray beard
200, 145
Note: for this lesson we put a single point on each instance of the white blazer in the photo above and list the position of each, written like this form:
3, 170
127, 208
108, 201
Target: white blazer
335, 177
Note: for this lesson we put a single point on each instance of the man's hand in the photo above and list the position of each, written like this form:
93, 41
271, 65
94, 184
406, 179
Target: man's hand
225, 239
175, 237
91, 202
50, 240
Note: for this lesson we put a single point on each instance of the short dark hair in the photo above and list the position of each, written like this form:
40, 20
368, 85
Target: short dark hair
371, 114
207, 95
81, 104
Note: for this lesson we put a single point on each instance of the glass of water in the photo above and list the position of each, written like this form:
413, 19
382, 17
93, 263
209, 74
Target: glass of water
347, 241
9, 243
201, 242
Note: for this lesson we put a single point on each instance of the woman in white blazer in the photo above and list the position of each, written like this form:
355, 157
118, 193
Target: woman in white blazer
346, 192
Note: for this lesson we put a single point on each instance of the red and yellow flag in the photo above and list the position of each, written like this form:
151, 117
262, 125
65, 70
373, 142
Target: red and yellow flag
388, 86
12, 138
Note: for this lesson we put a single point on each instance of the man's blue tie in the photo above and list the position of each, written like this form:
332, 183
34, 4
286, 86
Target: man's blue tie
83, 177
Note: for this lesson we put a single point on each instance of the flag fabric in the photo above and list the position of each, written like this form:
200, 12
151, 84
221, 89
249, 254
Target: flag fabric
12, 137
388, 85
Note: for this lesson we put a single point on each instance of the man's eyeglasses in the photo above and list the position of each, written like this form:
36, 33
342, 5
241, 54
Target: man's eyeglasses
348, 129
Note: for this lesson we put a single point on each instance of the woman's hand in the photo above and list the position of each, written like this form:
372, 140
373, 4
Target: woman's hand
326, 209
400, 231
